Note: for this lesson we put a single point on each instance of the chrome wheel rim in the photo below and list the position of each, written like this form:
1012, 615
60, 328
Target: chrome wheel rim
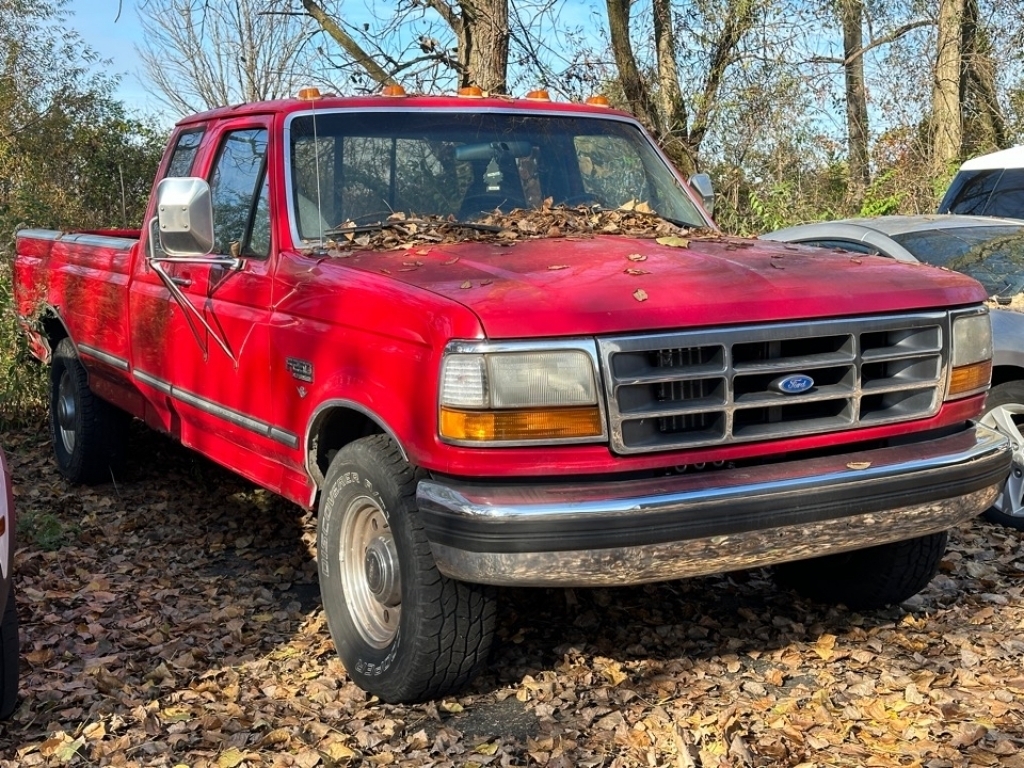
67, 411
1006, 419
370, 574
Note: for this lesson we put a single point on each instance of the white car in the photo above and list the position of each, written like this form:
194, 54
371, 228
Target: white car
9, 648
990, 185
991, 251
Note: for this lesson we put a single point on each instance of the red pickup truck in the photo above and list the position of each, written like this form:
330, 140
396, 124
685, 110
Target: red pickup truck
500, 342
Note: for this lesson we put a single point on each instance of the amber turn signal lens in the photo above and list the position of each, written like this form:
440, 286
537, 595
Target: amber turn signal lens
532, 424
968, 379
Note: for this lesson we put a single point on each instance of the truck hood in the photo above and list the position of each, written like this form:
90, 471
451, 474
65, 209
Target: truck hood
614, 284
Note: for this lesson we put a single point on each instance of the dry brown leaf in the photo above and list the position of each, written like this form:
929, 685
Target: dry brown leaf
634, 271
640, 294
558, 266
636, 257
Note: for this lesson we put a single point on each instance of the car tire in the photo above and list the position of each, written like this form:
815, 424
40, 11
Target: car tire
88, 433
9, 657
870, 578
404, 631
1004, 411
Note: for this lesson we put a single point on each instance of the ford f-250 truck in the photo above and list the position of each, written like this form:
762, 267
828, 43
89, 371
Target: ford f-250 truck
500, 342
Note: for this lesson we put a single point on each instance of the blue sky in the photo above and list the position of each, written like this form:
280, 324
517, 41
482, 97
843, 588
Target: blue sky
114, 37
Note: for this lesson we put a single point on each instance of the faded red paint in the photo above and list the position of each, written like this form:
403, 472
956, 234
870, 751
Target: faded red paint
374, 334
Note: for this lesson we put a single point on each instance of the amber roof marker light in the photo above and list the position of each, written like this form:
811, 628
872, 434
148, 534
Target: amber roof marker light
308, 94
540, 94
471, 92
598, 101
393, 91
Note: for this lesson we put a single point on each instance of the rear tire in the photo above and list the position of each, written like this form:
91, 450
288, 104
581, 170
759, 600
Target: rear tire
404, 632
867, 578
9, 657
1004, 411
88, 433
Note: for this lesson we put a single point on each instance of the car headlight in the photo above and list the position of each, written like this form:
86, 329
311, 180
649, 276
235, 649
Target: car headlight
512, 395
970, 356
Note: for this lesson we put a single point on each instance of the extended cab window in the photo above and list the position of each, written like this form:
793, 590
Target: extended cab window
184, 155
241, 213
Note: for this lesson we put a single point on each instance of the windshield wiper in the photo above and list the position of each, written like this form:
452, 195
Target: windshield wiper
403, 224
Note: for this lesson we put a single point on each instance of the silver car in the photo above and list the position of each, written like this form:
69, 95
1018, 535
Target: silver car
989, 249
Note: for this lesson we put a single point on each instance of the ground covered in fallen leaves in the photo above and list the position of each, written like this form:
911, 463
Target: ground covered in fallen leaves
173, 618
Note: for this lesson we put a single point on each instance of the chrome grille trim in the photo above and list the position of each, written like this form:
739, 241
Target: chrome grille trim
701, 388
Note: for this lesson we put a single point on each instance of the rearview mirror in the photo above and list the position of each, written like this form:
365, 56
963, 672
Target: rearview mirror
184, 210
493, 149
701, 182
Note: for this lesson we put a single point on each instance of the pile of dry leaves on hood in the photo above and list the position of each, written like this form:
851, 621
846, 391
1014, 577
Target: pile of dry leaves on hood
402, 231
175, 620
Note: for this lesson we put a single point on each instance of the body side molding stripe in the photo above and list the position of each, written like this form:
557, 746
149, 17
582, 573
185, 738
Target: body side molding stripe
240, 419
105, 357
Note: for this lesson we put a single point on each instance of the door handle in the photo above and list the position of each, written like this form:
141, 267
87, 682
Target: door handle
182, 281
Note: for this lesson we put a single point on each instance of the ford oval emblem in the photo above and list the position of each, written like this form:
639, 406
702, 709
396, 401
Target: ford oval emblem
793, 384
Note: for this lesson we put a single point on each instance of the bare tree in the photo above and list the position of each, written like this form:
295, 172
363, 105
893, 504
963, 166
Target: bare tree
481, 34
947, 128
681, 126
201, 54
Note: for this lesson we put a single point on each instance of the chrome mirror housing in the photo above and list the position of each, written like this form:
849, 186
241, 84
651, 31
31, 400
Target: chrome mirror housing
184, 209
701, 182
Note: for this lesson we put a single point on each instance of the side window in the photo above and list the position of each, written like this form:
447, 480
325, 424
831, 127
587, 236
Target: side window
974, 192
1008, 197
185, 152
239, 190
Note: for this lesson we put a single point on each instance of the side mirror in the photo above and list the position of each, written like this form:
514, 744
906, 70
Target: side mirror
701, 182
184, 211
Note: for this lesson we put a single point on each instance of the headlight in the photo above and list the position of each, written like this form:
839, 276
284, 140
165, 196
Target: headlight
519, 396
971, 355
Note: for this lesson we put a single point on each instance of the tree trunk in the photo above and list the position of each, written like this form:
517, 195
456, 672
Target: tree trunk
852, 13
947, 127
483, 44
671, 106
634, 88
985, 128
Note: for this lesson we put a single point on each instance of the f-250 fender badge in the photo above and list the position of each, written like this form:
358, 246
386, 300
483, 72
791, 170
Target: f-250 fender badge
793, 384
300, 369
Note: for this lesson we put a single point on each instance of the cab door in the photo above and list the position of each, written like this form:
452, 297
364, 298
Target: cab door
214, 364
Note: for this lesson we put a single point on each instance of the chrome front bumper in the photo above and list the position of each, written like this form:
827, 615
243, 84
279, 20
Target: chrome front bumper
609, 532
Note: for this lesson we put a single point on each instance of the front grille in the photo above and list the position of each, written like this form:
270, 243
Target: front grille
692, 389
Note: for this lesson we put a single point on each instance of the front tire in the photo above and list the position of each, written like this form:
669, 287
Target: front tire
88, 433
866, 579
1004, 411
404, 632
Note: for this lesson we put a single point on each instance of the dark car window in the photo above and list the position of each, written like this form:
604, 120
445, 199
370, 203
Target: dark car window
1007, 198
969, 192
994, 256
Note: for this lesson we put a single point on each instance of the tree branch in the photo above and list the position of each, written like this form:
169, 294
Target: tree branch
350, 46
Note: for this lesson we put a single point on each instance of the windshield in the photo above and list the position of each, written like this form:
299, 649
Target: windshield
350, 168
994, 256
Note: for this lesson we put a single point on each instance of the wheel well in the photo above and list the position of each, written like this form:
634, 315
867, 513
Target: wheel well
52, 328
1004, 373
333, 430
